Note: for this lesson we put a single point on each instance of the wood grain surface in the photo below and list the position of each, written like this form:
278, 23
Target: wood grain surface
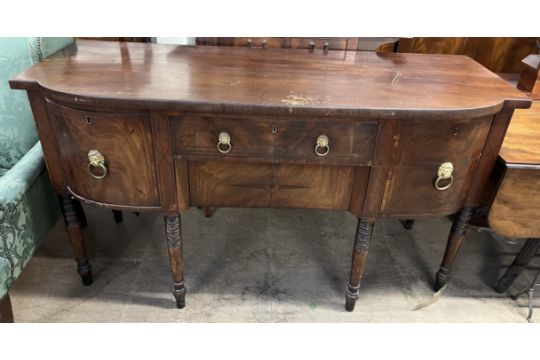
499, 54
125, 140
515, 212
276, 81
276, 139
521, 144
270, 185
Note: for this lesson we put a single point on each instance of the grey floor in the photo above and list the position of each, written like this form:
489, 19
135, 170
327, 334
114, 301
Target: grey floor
264, 265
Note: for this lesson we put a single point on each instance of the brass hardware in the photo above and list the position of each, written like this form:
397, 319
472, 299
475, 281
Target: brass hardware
97, 160
274, 128
250, 43
311, 46
444, 173
224, 139
322, 142
263, 44
325, 46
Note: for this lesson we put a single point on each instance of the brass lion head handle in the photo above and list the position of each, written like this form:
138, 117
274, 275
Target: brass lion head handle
96, 160
323, 146
444, 176
224, 143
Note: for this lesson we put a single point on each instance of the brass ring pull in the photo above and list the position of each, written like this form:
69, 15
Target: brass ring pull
97, 160
224, 143
444, 173
322, 143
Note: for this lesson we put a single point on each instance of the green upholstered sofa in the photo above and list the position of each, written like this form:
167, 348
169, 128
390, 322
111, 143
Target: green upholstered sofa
28, 206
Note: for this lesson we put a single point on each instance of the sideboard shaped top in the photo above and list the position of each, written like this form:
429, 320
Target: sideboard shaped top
273, 81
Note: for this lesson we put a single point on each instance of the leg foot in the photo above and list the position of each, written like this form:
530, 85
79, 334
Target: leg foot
441, 278
173, 231
118, 217
179, 293
85, 270
350, 297
530, 296
208, 211
525, 255
364, 231
407, 224
71, 210
455, 240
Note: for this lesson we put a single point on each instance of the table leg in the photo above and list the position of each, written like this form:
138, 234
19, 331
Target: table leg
364, 230
530, 296
455, 240
522, 259
71, 210
173, 231
6, 311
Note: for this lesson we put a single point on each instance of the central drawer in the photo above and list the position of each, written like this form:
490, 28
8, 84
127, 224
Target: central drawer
243, 184
324, 141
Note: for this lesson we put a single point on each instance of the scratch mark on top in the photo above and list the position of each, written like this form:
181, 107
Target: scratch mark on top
297, 100
396, 78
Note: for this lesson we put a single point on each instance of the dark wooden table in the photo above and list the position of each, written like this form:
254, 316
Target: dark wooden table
515, 211
147, 127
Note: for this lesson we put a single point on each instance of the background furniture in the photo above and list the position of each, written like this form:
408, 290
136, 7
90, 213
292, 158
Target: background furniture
500, 55
308, 43
515, 211
28, 206
529, 79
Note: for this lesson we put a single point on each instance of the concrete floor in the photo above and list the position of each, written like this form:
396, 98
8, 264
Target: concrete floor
264, 265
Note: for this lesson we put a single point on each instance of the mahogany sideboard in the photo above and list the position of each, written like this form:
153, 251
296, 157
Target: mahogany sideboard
147, 127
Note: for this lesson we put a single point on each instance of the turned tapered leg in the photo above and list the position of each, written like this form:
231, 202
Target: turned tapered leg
71, 210
525, 255
364, 230
80, 214
173, 230
6, 312
455, 239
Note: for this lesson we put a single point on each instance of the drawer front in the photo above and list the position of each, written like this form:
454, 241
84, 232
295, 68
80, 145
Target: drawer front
458, 140
266, 185
411, 190
348, 142
421, 150
124, 140
280, 140
199, 135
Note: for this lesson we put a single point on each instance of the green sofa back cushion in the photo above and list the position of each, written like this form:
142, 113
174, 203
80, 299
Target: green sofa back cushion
17, 128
